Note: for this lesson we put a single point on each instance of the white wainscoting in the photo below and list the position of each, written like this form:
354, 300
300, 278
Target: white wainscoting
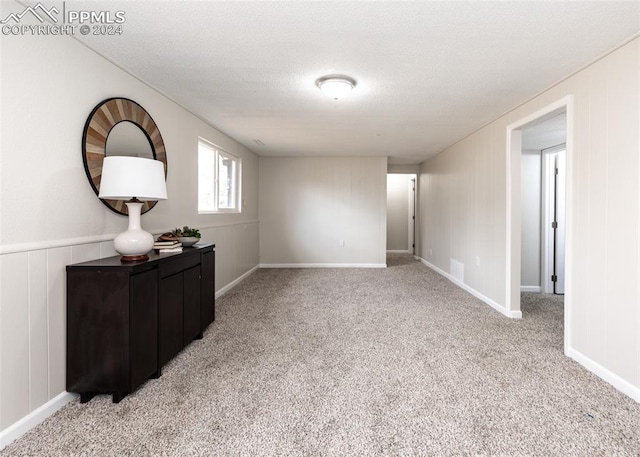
33, 317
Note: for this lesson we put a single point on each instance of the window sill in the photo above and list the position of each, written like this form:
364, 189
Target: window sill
230, 211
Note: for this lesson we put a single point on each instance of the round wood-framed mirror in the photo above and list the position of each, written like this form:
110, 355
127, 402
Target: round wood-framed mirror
101, 122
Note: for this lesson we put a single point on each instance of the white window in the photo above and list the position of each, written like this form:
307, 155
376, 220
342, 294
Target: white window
218, 180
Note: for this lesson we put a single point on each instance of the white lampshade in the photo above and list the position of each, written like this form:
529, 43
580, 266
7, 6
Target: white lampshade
124, 178
336, 87
133, 179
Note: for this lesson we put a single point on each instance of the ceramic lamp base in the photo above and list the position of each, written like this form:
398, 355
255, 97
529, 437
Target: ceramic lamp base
134, 243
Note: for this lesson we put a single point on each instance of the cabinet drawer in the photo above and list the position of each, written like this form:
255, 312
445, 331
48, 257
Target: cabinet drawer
180, 264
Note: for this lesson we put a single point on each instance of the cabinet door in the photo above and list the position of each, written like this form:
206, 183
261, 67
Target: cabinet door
171, 317
143, 319
208, 281
191, 303
97, 331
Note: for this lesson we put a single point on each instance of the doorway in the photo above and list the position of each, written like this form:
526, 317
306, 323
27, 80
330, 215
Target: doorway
543, 219
401, 213
516, 133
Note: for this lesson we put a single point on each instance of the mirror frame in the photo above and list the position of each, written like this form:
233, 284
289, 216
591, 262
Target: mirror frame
104, 117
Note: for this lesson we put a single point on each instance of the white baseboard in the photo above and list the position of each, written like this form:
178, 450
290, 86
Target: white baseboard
235, 282
498, 307
16, 430
400, 252
616, 381
323, 265
535, 289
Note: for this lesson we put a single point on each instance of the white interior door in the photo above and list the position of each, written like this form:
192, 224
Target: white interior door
554, 220
412, 216
561, 221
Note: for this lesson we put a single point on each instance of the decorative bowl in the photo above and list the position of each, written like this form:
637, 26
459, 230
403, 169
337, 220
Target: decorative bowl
188, 241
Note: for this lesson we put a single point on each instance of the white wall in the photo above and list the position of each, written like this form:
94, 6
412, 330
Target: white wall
530, 180
463, 211
307, 205
50, 216
398, 212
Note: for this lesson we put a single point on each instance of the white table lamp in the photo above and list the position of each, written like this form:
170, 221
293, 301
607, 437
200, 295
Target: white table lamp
133, 179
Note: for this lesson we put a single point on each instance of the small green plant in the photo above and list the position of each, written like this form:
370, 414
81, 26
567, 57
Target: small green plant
186, 231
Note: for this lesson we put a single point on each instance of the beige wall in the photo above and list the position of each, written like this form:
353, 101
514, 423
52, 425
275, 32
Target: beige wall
531, 179
50, 216
307, 205
463, 212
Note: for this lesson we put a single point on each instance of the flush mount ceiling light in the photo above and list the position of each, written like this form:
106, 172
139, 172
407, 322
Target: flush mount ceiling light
336, 86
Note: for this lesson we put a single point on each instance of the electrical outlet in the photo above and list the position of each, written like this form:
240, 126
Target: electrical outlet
430, 251
341, 243
477, 261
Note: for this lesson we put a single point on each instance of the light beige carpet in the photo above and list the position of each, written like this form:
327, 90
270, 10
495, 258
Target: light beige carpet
358, 362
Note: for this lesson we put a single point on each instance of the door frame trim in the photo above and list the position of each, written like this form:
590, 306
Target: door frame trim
513, 207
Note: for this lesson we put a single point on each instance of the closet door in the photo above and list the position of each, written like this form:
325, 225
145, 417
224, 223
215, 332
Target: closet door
208, 288
171, 317
191, 304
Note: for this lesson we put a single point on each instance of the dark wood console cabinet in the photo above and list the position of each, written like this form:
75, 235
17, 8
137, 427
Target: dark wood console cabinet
126, 320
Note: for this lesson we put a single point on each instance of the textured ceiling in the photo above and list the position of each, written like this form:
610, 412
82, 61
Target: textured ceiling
428, 73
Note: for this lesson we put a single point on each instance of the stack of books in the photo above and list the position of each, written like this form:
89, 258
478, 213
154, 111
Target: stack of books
167, 246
